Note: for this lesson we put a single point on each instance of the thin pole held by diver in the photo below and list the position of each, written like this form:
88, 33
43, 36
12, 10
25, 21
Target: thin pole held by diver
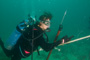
75, 40
54, 41
64, 16
57, 35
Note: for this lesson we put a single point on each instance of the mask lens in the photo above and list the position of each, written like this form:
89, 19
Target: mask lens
47, 23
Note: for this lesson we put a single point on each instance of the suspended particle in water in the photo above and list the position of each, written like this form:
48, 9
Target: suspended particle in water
58, 49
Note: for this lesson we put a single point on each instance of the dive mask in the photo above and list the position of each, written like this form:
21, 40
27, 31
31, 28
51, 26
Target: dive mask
47, 23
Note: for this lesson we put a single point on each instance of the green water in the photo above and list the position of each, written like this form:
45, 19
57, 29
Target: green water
76, 22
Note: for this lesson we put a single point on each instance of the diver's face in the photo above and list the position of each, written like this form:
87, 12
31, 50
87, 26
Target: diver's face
46, 22
43, 26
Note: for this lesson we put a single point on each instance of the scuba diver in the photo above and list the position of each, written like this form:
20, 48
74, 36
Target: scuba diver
31, 38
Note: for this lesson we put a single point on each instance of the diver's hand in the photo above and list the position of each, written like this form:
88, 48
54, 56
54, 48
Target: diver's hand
63, 40
66, 38
60, 27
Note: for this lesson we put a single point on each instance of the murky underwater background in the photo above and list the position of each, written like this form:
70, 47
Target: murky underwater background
76, 22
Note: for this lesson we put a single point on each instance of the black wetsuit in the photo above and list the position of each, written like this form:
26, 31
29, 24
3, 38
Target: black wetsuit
23, 47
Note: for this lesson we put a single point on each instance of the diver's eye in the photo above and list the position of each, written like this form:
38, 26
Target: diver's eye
47, 23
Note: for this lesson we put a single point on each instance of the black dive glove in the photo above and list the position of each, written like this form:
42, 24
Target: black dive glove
66, 38
60, 27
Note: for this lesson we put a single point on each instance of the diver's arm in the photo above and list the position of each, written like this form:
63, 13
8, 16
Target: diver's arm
48, 46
